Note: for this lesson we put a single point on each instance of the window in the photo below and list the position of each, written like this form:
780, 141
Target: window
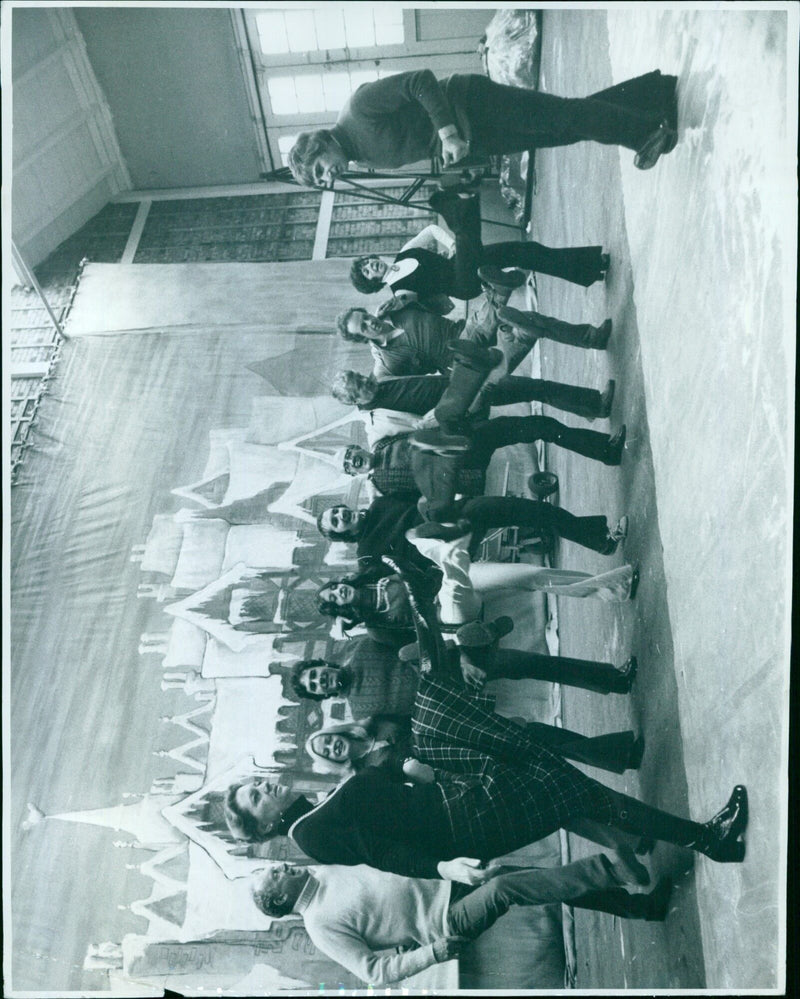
315, 92
284, 31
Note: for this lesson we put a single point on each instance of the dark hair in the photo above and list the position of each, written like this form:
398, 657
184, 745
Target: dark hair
360, 281
264, 896
330, 609
320, 528
242, 824
296, 677
305, 153
341, 324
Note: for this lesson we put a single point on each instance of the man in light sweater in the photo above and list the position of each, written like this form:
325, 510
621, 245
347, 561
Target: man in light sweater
353, 913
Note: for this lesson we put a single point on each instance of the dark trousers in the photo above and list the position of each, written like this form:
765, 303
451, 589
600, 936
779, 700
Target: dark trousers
488, 512
606, 752
579, 264
472, 911
506, 430
511, 119
571, 398
514, 664
633, 816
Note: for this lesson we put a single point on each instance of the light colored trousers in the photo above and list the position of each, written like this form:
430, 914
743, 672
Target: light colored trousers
465, 582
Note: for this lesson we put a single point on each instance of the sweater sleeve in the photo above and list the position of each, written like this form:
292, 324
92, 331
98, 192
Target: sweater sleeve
346, 947
386, 96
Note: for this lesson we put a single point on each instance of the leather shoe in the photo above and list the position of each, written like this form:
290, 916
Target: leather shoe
731, 822
627, 673
607, 398
659, 142
599, 339
636, 754
634, 583
615, 446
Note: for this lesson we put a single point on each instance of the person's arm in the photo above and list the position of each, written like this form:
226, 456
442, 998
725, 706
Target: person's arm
387, 96
431, 238
345, 946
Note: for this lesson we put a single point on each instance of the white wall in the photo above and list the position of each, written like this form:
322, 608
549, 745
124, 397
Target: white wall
66, 161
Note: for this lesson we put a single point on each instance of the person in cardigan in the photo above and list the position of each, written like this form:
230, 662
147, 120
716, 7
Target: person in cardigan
412, 116
385, 741
407, 338
356, 915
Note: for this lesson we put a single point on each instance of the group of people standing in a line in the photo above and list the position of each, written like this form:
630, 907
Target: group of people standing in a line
435, 784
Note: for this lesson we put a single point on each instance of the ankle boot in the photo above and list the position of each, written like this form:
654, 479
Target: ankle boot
720, 837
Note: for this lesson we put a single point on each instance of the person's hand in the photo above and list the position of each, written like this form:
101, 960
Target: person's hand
454, 149
446, 948
420, 773
467, 870
474, 676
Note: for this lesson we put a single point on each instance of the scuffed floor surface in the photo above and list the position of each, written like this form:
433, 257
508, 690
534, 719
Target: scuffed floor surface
702, 294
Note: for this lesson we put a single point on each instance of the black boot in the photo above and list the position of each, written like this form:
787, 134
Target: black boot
717, 839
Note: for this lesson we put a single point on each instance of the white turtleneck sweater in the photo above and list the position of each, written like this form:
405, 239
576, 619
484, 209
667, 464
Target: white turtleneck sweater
350, 913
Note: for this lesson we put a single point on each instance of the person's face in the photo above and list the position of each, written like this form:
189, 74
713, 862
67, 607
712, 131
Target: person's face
357, 461
363, 323
342, 521
364, 390
329, 164
285, 880
374, 268
264, 801
332, 747
325, 680
341, 594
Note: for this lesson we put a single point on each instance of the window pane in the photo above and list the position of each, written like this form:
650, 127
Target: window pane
310, 96
282, 96
285, 143
388, 25
272, 33
337, 90
358, 27
300, 30
330, 28
363, 76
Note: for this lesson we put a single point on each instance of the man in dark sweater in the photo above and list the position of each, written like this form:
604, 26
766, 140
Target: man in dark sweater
409, 117
397, 467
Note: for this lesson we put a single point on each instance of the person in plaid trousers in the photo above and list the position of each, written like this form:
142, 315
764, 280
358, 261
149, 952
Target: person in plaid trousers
489, 788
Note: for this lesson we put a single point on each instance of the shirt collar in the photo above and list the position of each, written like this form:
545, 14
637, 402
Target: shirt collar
310, 889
